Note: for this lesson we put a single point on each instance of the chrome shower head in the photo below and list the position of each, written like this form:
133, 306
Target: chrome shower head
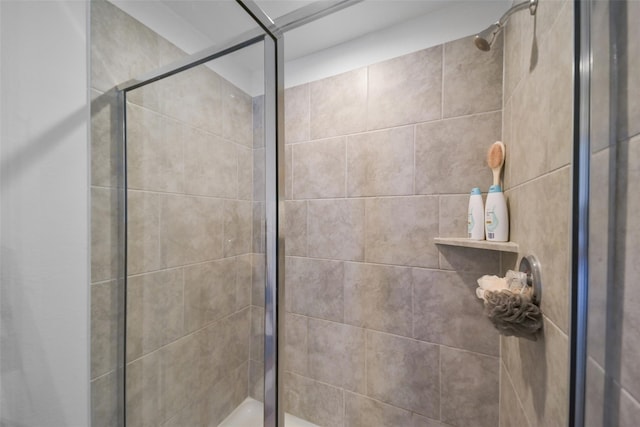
484, 40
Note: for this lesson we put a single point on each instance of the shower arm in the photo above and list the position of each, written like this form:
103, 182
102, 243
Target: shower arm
531, 4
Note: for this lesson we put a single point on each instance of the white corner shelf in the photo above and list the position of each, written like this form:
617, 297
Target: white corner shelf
477, 244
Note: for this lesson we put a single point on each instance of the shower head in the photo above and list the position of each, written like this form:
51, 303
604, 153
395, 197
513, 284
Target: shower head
484, 39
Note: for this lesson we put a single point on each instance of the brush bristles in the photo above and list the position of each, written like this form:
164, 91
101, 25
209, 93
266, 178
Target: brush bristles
495, 156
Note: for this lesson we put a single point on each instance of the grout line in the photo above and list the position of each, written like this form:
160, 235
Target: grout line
440, 382
442, 88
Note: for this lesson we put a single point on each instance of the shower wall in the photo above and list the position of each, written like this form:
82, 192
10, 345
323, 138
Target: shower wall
190, 162
383, 327
538, 133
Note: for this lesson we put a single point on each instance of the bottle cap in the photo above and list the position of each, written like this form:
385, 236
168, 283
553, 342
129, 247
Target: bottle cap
475, 191
495, 189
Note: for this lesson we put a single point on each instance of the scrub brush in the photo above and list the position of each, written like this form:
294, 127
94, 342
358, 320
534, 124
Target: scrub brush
495, 160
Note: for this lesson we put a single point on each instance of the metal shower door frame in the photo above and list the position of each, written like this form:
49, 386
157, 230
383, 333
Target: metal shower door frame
274, 147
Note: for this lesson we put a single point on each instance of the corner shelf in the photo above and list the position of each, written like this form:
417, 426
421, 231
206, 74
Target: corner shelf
477, 244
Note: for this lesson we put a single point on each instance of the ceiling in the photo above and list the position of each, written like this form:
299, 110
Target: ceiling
364, 33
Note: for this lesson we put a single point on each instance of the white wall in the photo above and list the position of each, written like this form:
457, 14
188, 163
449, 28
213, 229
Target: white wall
44, 213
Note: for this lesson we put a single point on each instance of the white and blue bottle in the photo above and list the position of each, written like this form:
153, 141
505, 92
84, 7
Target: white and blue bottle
496, 217
475, 217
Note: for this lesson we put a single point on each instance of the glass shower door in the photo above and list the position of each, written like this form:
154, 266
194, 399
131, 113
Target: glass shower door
194, 206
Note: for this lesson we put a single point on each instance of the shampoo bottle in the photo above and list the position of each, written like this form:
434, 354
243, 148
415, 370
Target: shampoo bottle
496, 216
475, 218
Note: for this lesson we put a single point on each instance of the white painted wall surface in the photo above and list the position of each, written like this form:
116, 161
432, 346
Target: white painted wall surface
44, 214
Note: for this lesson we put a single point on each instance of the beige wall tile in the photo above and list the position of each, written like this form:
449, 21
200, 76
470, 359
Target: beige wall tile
470, 388
378, 297
558, 69
472, 78
453, 212
191, 229
364, 412
337, 354
336, 229
194, 97
315, 287
256, 343
104, 234
155, 311
210, 165
319, 169
245, 172
256, 380
104, 330
155, 151
380, 163
103, 144
238, 219
121, 48
258, 280
313, 401
288, 174
595, 395
143, 232
628, 242
406, 89
224, 347
104, 401
296, 113
526, 152
446, 148
543, 229
296, 343
243, 281
258, 121
404, 373
296, 228
259, 228
237, 115
338, 104
144, 393
629, 410
180, 380
209, 292
400, 230
511, 412
602, 76
259, 173
223, 397
628, 123
514, 53
194, 414
599, 217
438, 295
538, 371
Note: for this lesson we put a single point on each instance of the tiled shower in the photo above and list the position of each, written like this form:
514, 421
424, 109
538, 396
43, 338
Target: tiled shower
382, 326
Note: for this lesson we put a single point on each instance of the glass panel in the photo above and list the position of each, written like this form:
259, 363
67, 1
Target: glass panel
195, 197
195, 220
613, 377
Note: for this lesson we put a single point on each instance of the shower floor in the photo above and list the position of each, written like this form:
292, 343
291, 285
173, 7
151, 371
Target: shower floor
249, 414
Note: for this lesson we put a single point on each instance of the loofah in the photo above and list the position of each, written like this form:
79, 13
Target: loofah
513, 314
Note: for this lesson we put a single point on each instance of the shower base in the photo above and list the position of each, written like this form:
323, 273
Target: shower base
249, 414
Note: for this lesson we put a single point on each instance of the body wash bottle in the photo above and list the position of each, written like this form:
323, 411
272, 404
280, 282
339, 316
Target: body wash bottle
496, 216
475, 216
